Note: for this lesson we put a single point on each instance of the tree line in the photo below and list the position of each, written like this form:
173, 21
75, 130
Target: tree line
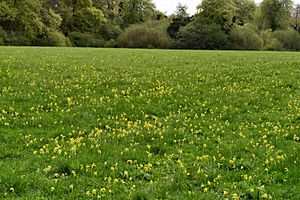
218, 24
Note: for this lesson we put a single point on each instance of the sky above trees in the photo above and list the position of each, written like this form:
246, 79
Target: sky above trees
169, 6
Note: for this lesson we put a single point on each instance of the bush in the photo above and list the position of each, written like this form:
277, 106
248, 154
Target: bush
52, 38
110, 44
270, 43
110, 31
177, 22
290, 39
197, 35
146, 35
16, 39
79, 39
2, 36
245, 38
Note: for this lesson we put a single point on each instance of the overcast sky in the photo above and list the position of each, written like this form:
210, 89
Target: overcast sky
169, 6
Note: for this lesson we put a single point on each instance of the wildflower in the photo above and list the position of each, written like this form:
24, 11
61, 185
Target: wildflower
94, 191
71, 187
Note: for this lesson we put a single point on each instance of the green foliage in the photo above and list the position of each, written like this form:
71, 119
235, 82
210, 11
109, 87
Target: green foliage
245, 12
86, 39
136, 11
89, 19
290, 39
2, 36
7, 12
147, 35
180, 19
29, 18
109, 8
227, 12
270, 42
245, 38
296, 18
111, 43
275, 14
110, 30
51, 19
197, 35
181, 11
219, 24
16, 38
52, 38
221, 12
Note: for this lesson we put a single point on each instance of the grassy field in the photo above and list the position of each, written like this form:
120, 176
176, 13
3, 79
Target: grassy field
149, 124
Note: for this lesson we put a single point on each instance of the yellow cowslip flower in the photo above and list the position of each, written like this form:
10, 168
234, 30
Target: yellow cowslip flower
206, 190
71, 187
286, 170
235, 196
103, 190
47, 169
94, 191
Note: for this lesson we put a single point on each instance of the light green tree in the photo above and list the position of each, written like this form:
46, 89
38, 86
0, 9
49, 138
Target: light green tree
221, 12
136, 11
275, 14
245, 12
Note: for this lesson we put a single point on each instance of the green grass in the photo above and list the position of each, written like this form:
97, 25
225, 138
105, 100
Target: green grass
149, 124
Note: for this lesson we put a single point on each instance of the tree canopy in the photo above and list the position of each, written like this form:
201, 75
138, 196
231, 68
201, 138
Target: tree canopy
218, 24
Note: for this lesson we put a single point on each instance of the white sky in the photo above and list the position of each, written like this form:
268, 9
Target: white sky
169, 6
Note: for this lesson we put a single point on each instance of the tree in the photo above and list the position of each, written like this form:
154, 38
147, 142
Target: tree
8, 15
290, 39
151, 34
227, 12
296, 18
110, 8
220, 12
245, 12
197, 35
180, 19
275, 14
136, 11
245, 38
181, 11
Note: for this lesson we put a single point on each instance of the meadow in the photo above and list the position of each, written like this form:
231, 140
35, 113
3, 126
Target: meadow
149, 124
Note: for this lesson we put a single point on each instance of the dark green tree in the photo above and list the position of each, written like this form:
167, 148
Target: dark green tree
180, 19
198, 35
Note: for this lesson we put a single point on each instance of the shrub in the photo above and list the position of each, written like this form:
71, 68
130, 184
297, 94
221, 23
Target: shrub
290, 39
197, 35
245, 38
271, 43
79, 39
177, 22
146, 35
16, 39
110, 31
52, 38
110, 44
2, 36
